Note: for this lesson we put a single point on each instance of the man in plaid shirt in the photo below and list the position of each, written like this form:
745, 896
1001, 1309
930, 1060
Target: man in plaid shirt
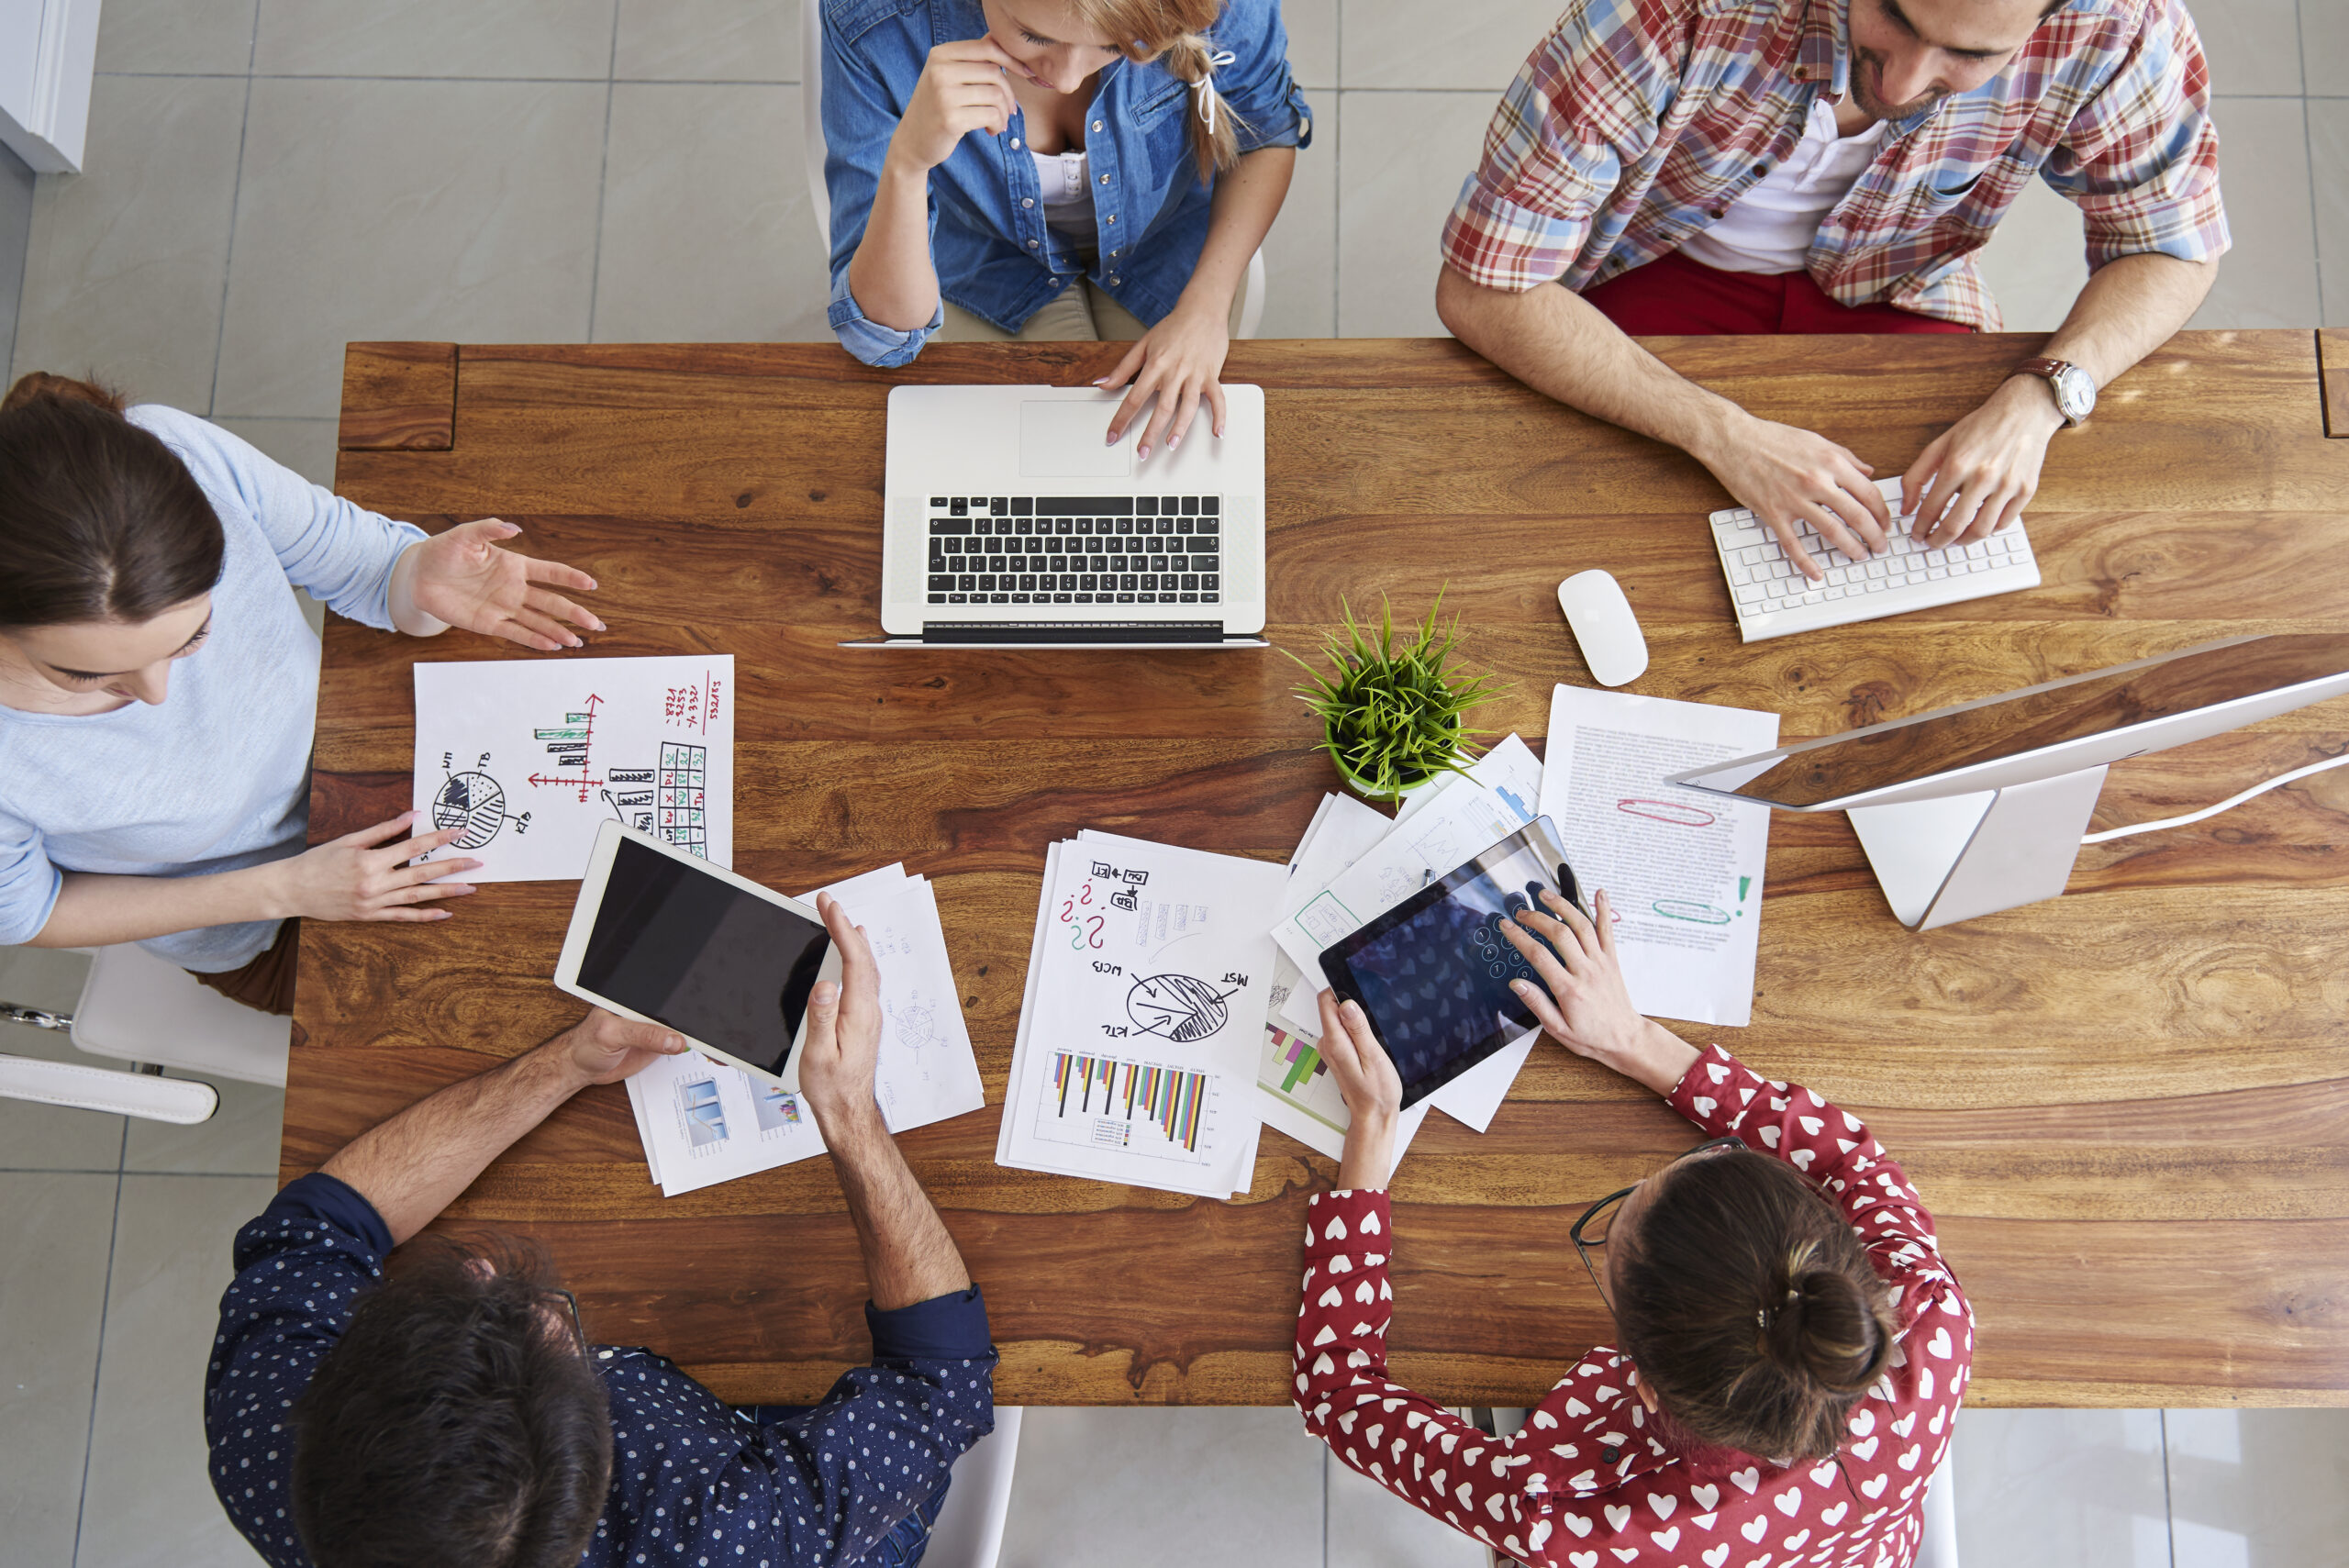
1832, 166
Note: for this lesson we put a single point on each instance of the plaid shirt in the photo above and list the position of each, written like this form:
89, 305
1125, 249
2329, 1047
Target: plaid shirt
1636, 123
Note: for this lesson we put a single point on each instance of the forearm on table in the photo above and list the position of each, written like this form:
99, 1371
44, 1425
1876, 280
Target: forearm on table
908, 1255
415, 1165
2129, 308
892, 276
1247, 199
94, 910
1562, 346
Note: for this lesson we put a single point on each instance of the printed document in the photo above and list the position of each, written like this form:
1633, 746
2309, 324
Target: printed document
526, 759
1682, 869
1147, 989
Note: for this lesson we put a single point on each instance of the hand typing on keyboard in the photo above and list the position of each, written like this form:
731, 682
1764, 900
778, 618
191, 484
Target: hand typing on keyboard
1792, 479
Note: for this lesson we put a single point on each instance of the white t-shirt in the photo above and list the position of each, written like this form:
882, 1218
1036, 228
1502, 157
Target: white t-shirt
1068, 199
1770, 228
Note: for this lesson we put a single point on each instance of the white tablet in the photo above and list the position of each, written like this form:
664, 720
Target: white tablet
665, 938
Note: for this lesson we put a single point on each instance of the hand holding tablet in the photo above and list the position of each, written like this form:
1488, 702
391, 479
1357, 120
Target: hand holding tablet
665, 938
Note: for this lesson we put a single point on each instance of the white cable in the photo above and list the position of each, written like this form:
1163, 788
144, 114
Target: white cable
2227, 805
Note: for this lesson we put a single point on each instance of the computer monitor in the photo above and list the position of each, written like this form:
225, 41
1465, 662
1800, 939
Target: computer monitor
1981, 806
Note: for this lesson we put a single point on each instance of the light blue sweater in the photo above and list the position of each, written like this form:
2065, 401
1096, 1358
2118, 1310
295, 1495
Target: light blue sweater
217, 777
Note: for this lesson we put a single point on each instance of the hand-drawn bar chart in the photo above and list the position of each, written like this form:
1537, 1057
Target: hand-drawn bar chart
1108, 1102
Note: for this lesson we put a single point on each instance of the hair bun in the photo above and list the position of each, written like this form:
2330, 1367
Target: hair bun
1824, 1328
36, 385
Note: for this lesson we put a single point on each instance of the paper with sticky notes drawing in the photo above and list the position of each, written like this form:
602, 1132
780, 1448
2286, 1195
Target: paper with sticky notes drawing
1682, 869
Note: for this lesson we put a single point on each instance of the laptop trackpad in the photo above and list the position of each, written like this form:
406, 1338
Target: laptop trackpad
1065, 440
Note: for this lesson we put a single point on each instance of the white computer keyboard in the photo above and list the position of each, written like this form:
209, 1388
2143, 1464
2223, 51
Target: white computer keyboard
1773, 599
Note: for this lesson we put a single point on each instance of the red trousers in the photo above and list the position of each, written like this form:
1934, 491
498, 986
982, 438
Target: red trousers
1672, 294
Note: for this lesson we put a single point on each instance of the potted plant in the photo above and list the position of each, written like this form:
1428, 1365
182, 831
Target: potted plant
1392, 713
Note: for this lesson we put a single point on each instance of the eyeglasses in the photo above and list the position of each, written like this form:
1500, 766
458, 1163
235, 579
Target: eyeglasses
1601, 1214
571, 1302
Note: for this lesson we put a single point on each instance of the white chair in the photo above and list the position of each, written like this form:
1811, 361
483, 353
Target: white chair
1248, 310
1938, 1548
153, 1014
969, 1532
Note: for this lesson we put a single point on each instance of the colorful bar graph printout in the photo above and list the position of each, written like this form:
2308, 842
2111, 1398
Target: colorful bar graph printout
1304, 1062
1170, 1099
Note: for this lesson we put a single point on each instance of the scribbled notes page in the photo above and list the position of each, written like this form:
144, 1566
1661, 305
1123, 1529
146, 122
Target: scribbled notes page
1136, 1058
1682, 869
526, 758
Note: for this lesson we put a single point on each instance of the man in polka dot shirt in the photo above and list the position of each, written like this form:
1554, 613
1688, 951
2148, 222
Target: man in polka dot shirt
453, 1413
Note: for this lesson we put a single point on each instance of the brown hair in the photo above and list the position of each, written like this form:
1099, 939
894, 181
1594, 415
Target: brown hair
453, 1421
99, 521
1750, 1307
1174, 30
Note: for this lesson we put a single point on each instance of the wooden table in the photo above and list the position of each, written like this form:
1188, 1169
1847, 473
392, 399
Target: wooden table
2128, 1109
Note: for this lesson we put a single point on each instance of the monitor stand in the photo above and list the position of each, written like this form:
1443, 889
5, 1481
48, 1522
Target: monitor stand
1940, 862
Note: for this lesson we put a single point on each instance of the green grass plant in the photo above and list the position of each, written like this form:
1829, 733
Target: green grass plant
1394, 714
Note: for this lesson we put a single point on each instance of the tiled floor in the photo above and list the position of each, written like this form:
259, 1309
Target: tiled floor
269, 178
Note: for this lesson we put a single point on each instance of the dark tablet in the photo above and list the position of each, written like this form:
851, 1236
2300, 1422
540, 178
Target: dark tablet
1433, 973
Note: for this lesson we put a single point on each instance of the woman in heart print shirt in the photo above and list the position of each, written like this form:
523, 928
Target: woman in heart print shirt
1793, 1348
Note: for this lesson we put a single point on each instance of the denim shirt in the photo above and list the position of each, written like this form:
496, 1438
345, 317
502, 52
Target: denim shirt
994, 255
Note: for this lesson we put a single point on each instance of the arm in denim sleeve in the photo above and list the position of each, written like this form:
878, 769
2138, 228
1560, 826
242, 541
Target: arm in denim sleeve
2141, 162
1266, 105
860, 117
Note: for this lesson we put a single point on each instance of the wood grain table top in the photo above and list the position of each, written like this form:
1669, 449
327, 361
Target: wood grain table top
2128, 1109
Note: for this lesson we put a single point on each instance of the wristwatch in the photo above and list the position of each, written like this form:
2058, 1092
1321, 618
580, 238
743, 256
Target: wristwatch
2075, 389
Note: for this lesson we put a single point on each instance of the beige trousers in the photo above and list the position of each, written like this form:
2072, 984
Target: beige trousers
1080, 312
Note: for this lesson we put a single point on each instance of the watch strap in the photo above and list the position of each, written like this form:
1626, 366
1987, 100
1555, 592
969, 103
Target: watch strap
2049, 371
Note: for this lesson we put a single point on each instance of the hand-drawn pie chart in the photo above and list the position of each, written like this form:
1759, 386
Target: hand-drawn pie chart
1178, 1006
474, 803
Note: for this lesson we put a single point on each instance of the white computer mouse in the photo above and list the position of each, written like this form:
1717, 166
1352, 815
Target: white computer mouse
1604, 626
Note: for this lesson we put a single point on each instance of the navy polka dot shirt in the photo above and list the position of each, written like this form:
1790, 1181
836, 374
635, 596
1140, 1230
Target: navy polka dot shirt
694, 1482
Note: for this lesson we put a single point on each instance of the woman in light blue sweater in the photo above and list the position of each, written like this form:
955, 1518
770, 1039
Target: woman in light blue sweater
159, 685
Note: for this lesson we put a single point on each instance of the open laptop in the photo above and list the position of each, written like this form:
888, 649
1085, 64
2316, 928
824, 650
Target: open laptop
1010, 522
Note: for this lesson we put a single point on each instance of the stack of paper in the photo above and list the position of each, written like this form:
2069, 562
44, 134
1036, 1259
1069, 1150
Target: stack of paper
702, 1121
1147, 991
1353, 866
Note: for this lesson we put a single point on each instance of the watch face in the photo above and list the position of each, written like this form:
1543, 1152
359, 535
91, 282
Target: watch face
2074, 393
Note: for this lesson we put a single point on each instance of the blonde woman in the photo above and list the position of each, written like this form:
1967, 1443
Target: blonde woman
1048, 169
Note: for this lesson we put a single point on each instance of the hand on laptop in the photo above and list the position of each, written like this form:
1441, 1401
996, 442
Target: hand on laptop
1781, 474
1179, 360
843, 1044
1983, 470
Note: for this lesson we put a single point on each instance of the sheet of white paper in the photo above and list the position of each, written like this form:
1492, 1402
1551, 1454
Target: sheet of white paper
1147, 992
1295, 1091
1497, 798
530, 757
928, 1070
1683, 869
703, 1122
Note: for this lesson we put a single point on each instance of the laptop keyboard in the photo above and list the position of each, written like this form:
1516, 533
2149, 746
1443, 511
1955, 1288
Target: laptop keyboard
1075, 550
